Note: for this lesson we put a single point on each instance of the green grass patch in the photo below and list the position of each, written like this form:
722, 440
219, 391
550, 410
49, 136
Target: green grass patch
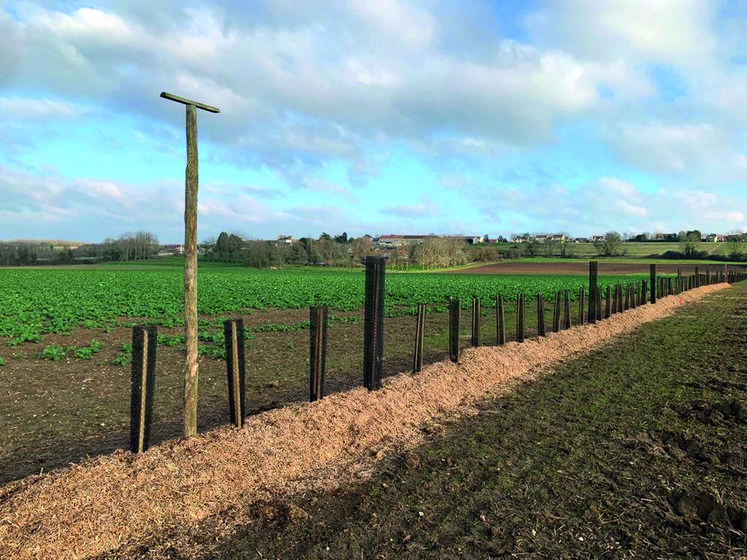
633, 450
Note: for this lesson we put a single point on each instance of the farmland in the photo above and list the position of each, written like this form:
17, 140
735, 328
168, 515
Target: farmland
60, 300
65, 350
636, 446
633, 249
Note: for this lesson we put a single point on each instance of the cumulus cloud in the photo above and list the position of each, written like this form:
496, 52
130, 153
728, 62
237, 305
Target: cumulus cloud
303, 85
34, 193
32, 199
376, 73
603, 204
672, 31
426, 208
696, 151
24, 108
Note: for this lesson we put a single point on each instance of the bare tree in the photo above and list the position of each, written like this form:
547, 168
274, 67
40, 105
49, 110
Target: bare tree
611, 245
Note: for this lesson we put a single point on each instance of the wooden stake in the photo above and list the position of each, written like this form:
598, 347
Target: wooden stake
233, 333
500, 321
615, 301
417, 359
581, 301
540, 315
593, 270
556, 313
373, 326
520, 318
143, 385
652, 272
317, 351
455, 312
476, 311
608, 303
567, 310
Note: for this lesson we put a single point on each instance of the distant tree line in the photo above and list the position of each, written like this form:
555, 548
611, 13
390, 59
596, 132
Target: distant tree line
528, 245
141, 245
690, 235
339, 250
344, 251
12, 254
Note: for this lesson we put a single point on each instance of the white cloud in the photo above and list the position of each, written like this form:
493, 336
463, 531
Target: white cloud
328, 188
24, 108
378, 73
100, 189
304, 84
83, 23
426, 208
670, 31
613, 186
699, 151
239, 210
395, 20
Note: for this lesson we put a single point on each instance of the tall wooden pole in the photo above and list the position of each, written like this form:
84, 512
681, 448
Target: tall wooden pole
190, 261
190, 276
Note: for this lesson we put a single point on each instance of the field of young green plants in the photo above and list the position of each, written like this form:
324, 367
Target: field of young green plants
38, 301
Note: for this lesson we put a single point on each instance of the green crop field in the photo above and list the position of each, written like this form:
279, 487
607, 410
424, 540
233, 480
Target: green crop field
39, 301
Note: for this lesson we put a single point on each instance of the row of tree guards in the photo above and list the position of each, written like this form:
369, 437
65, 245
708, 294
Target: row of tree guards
616, 299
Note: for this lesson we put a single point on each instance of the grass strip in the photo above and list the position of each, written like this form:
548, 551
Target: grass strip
634, 450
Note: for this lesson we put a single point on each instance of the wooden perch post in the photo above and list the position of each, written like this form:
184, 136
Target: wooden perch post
593, 273
190, 261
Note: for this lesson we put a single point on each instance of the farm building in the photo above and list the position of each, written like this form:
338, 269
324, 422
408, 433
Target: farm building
393, 240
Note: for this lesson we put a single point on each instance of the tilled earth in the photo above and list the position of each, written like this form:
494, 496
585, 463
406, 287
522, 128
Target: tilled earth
581, 267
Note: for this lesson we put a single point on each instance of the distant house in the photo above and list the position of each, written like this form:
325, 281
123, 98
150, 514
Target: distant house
666, 237
393, 240
285, 240
713, 238
543, 238
167, 250
468, 239
597, 238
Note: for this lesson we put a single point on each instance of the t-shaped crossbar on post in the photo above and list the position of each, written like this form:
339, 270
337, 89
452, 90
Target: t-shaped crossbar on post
190, 261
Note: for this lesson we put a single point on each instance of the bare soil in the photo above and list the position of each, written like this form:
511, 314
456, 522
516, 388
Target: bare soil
125, 505
57, 413
581, 267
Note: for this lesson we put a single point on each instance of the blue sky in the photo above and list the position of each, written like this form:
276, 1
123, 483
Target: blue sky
576, 116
